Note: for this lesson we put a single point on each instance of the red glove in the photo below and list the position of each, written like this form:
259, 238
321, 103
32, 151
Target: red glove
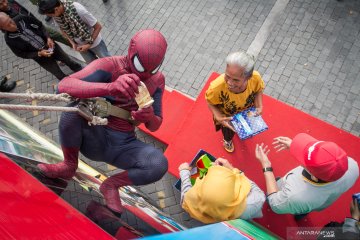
143, 115
126, 85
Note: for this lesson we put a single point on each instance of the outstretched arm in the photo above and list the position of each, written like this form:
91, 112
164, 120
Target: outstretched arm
261, 153
95, 80
282, 143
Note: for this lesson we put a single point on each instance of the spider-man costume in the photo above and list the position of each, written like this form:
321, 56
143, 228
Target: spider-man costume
116, 77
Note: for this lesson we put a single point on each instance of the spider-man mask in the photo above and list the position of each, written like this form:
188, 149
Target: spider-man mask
146, 53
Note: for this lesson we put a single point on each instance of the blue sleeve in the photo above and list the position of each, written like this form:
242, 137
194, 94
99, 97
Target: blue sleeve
158, 102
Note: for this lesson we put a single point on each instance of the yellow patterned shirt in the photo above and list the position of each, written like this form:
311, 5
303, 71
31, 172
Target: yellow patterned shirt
230, 103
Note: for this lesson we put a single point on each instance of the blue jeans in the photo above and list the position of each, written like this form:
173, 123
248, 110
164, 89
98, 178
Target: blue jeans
99, 51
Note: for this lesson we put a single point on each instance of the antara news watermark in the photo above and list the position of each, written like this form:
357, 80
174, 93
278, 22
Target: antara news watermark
296, 233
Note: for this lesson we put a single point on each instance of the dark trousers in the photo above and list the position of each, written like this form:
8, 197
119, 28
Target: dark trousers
50, 64
227, 132
145, 164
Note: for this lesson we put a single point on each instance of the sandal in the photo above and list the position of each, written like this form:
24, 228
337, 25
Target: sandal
229, 146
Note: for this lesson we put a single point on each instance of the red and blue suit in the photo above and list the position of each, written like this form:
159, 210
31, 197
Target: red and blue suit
118, 78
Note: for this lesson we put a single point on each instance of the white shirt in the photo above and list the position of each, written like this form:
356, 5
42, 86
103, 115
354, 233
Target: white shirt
299, 196
89, 20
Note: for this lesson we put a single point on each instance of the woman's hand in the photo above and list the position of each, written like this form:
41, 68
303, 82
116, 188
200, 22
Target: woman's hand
282, 143
223, 162
184, 166
261, 153
225, 122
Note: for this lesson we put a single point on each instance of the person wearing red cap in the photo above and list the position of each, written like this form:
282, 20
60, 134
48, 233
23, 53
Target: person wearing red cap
325, 173
117, 78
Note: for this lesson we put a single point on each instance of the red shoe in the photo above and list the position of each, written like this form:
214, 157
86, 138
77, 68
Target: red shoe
65, 169
57, 170
110, 190
98, 212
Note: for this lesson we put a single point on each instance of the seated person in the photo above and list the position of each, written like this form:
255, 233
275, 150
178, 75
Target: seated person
325, 173
239, 198
238, 89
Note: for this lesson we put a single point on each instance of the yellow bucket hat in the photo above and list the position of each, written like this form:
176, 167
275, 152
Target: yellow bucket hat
219, 196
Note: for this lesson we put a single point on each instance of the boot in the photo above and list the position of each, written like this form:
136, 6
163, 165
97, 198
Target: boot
7, 87
98, 212
4, 80
65, 169
110, 190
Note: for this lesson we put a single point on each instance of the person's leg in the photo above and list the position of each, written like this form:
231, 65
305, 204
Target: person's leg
228, 136
88, 56
101, 50
50, 65
227, 133
60, 55
72, 130
57, 36
143, 164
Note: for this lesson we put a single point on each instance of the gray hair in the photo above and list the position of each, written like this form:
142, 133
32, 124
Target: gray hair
242, 59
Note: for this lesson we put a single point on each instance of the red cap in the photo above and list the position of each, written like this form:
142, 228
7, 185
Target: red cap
325, 160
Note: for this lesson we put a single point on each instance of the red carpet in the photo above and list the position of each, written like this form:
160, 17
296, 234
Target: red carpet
176, 107
196, 131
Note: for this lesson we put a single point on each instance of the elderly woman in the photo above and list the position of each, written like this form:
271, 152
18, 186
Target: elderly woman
239, 88
239, 198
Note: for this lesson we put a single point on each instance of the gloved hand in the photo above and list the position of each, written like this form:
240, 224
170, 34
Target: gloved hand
143, 115
125, 85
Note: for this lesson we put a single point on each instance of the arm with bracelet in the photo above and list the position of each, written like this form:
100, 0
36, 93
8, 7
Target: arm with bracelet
261, 153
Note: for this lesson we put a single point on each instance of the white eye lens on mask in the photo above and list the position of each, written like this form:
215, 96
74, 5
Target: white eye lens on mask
138, 65
156, 69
